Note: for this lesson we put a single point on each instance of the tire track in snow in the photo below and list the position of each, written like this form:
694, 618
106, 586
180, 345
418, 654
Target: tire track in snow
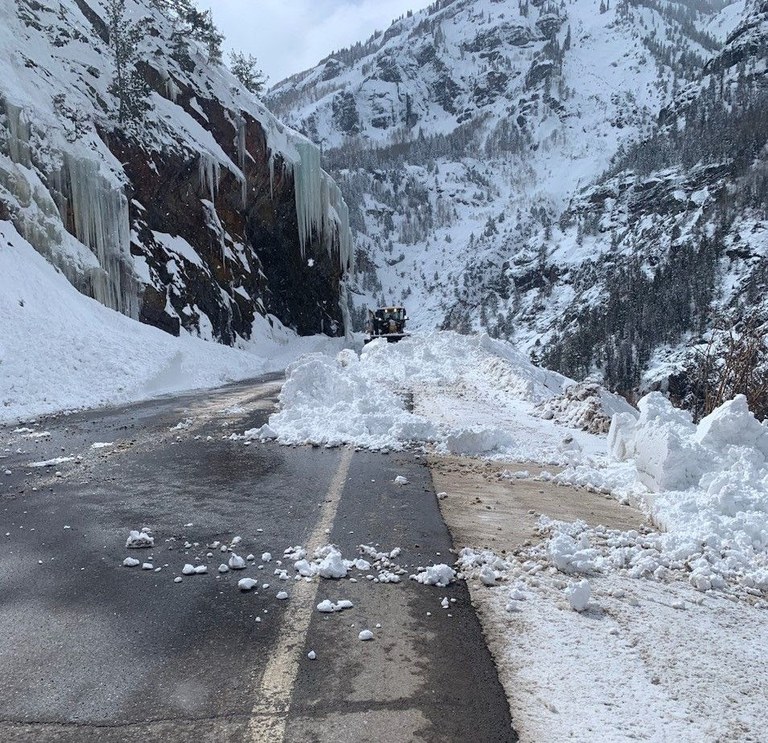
269, 715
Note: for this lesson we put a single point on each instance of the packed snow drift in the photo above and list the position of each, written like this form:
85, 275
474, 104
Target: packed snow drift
464, 394
60, 350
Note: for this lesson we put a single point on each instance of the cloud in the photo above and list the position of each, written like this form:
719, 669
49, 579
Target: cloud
288, 37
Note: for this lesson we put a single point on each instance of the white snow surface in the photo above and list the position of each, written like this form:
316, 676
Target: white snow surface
85, 355
471, 395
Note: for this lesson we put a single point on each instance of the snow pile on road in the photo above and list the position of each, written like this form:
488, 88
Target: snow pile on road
705, 486
338, 401
467, 394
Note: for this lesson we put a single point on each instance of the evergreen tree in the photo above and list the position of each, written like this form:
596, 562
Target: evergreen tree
193, 24
128, 86
244, 68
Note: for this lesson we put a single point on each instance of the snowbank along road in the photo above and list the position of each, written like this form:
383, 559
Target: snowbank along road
172, 648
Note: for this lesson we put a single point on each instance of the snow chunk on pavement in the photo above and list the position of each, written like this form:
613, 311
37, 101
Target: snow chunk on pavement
305, 568
282, 595
326, 607
140, 540
400, 480
51, 462
578, 595
236, 562
435, 575
131, 562
332, 565
366, 634
247, 584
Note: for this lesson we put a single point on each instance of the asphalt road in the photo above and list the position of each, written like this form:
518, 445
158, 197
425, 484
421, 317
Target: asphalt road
94, 651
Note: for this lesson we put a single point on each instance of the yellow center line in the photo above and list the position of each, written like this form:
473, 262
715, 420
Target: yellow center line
269, 715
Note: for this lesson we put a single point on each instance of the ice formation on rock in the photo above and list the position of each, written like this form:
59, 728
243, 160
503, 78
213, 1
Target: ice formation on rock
320, 207
102, 223
209, 175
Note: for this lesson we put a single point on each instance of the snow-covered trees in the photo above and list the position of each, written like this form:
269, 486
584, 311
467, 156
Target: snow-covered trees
244, 68
128, 86
192, 23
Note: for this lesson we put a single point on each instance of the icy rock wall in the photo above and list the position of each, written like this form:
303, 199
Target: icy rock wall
43, 194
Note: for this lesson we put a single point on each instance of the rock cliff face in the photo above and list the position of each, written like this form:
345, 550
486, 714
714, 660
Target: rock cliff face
200, 216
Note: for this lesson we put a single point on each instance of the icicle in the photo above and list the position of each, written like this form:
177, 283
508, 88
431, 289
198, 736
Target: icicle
172, 90
241, 151
19, 132
241, 155
102, 223
308, 185
243, 189
209, 174
271, 175
320, 207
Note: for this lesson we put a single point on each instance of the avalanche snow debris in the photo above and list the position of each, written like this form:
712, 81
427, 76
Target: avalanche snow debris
705, 485
328, 401
435, 575
140, 539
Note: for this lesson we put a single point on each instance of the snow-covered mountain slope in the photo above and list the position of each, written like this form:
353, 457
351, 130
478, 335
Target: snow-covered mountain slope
468, 140
682, 220
201, 214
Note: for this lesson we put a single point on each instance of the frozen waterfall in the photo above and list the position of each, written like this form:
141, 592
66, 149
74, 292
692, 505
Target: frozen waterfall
101, 219
320, 207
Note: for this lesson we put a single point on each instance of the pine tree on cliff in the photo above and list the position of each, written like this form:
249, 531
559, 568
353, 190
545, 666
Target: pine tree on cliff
128, 86
195, 24
243, 67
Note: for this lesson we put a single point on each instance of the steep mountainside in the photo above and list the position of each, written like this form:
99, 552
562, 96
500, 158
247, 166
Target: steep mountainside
681, 219
475, 142
202, 213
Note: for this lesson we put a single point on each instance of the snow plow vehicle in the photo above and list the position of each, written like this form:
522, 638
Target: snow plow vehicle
386, 322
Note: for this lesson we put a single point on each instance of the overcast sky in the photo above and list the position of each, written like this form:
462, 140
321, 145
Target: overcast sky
289, 36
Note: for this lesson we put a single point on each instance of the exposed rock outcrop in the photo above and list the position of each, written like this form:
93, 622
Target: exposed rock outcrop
200, 216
